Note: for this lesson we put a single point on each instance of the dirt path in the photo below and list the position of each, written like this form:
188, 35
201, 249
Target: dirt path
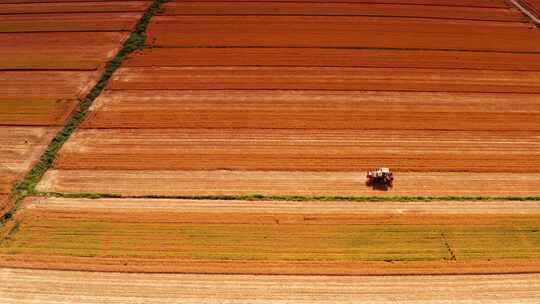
48, 287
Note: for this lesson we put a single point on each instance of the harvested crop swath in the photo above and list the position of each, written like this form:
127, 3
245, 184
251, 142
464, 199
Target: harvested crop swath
25, 51
74, 7
301, 150
315, 110
279, 242
466, 3
224, 182
355, 32
340, 9
328, 57
97, 288
325, 78
68, 22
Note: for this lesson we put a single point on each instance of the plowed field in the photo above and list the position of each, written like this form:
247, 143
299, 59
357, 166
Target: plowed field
244, 97
103, 7
304, 150
28, 286
279, 238
24, 51
52, 53
68, 22
340, 9
354, 32
320, 110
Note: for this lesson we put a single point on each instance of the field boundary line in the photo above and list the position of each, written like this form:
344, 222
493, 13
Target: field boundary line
293, 198
526, 11
134, 42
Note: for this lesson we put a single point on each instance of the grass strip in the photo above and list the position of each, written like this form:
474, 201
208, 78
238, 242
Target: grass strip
134, 42
296, 198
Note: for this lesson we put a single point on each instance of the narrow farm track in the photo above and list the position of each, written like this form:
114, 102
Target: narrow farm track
28, 286
533, 6
271, 238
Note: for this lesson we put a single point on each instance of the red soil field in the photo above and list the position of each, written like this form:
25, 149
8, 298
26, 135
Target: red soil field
25, 51
327, 57
31, 286
325, 78
68, 22
213, 109
78, 7
301, 150
193, 183
45, 84
341, 9
466, 3
355, 32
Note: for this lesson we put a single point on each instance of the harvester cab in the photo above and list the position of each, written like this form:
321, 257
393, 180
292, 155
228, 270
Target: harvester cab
381, 176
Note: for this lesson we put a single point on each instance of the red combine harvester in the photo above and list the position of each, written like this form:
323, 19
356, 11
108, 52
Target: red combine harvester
380, 176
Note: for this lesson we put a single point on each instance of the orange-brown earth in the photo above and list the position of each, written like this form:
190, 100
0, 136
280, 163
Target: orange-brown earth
107, 6
532, 5
63, 22
341, 9
49, 60
301, 150
31, 286
4, 199
25, 51
224, 182
271, 238
234, 101
354, 32
333, 110
20, 148
325, 78
41, 97
334, 57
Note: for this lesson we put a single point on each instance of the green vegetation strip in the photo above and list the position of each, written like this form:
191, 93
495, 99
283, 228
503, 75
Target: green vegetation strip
297, 198
134, 42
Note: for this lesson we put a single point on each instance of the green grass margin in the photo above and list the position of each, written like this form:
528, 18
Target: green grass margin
135, 41
296, 198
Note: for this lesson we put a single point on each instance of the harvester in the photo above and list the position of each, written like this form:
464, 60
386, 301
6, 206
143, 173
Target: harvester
380, 176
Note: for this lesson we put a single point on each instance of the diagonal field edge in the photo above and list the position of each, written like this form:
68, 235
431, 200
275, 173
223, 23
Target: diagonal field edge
525, 11
134, 42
